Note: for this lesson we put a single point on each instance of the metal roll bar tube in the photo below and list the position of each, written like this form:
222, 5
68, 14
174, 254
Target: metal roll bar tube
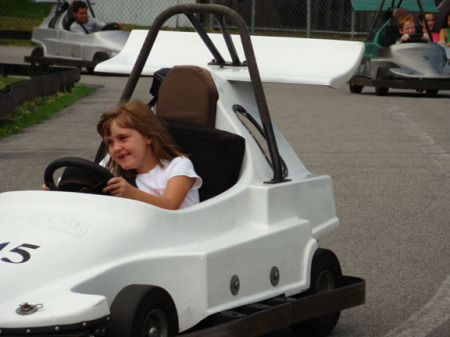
251, 64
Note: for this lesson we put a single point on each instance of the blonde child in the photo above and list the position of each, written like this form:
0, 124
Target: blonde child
140, 148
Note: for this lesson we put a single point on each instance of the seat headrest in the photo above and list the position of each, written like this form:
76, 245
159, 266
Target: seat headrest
67, 19
188, 92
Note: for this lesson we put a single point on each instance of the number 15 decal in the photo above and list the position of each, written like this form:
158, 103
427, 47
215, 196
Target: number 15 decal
19, 254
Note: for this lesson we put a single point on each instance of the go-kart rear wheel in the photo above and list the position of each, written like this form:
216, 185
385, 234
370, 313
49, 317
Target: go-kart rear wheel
382, 74
326, 275
355, 89
143, 311
381, 91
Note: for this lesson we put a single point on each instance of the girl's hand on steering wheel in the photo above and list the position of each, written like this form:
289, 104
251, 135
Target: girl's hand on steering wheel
119, 187
405, 37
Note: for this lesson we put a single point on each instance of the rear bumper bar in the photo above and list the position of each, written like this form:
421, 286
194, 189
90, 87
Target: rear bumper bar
281, 312
424, 84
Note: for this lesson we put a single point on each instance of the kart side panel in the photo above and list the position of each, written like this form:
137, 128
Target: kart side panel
100, 248
69, 45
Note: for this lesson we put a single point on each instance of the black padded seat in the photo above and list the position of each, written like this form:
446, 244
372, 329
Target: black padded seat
187, 102
217, 155
392, 34
67, 19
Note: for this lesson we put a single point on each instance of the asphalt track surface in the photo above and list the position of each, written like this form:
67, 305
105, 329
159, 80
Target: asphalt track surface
389, 158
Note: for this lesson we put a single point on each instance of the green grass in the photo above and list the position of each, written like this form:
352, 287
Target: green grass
24, 15
21, 15
7, 80
37, 110
26, 9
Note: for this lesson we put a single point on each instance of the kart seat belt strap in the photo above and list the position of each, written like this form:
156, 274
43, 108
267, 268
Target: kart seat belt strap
84, 28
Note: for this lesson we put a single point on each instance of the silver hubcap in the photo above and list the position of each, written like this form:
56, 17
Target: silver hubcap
325, 281
155, 324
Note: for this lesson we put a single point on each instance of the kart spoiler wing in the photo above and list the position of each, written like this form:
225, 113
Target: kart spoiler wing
280, 59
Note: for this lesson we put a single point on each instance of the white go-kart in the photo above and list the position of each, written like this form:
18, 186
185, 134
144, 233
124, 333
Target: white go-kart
245, 261
61, 47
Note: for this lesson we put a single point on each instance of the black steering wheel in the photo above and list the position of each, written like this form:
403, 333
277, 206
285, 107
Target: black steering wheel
416, 37
80, 175
111, 26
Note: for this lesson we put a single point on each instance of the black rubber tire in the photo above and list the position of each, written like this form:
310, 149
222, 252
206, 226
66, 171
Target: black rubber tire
37, 52
432, 92
99, 56
37, 67
381, 91
355, 89
382, 74
139, 309
326, 274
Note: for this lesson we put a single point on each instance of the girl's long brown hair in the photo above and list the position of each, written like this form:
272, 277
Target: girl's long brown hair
138, 116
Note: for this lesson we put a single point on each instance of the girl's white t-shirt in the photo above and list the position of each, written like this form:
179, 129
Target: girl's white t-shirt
155, 181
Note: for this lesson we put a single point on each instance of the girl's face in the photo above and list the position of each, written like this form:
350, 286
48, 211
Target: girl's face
408, 28
430, 20
130, 149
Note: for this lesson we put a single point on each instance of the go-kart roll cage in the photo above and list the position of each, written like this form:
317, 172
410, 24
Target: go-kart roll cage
389, 9
62, 6
221, 14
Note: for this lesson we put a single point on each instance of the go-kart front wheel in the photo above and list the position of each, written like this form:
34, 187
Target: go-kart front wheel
355, 89
382, 74
37, 54
432, 92
99, 56
326, 275
381, 91
142, 311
